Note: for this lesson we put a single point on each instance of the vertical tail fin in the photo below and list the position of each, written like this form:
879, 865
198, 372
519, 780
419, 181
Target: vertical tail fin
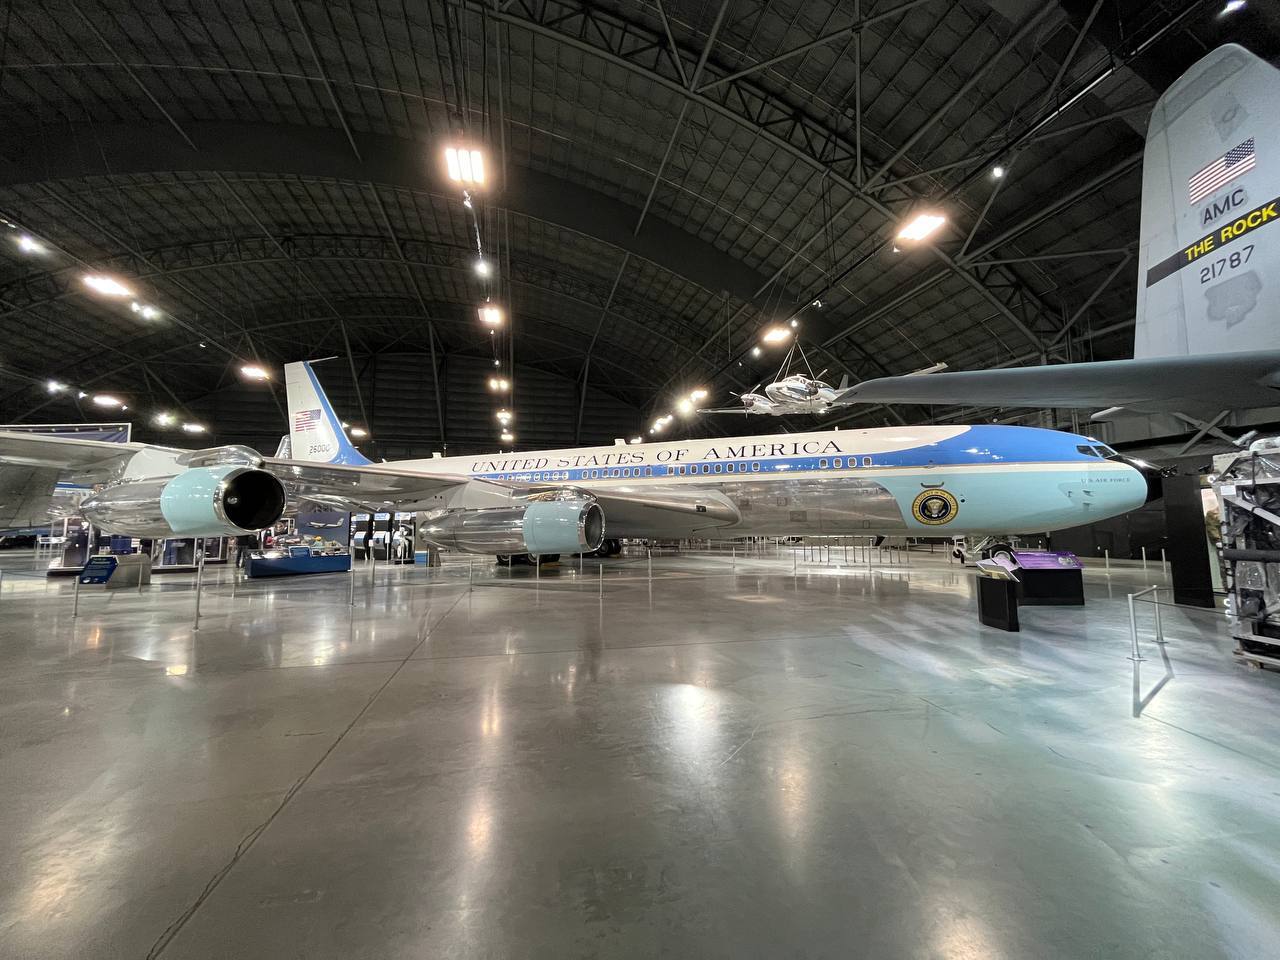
315, 432
1209, 245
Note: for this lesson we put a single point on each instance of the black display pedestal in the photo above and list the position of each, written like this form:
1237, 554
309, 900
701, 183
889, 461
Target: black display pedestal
998, 603
1051, 588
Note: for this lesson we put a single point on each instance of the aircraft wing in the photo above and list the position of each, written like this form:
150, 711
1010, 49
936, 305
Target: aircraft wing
344, 486
629, 511
64, 453
1204, 384
726, 410
658, 512
31, 465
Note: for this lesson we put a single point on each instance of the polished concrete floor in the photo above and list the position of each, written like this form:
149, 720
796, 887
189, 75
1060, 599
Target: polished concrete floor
728, 760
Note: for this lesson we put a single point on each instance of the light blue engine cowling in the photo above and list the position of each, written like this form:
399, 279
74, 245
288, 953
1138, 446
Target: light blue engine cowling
199, 502
540, 527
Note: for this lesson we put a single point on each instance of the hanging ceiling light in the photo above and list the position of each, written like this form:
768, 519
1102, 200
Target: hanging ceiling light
491, 315
921, 226
106, 400
107, 286
776, 335
251, 371
193, 428
464, 165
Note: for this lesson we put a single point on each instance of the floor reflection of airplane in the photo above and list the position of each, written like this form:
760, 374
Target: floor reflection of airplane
1207, 337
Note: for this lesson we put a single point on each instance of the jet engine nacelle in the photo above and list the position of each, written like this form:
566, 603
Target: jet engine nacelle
200, 502
539, 527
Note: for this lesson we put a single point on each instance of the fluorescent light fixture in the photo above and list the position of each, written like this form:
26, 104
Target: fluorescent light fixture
164, 419
251, 371
508, 435
504, 417
776, 335
107, 286
699, 394
106, 400
1231, 7
491, 315
997, 171
499, 384
53, 386
685, 407
482, 267
794, 323
145, 310
921, 226
359, 432
755, 351
193, 428
464, 165
29, 245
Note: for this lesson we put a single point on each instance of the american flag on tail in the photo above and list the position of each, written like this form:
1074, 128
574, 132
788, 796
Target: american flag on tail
305, 420
1233, 163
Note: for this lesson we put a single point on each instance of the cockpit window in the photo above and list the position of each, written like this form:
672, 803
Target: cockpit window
1088, 451
1105, 451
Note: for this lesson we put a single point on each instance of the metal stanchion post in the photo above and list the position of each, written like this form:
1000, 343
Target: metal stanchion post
75, 603
649, 552
1106, 560
537, 567
351, 585
602, 581
1155, 595
1133, 633
1144, 558
733, 560
471, 573
195, 624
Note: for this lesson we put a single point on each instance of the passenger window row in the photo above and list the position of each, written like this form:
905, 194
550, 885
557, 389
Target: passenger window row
681, 470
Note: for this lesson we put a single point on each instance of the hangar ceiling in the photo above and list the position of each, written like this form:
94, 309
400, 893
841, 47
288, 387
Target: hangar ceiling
667, 179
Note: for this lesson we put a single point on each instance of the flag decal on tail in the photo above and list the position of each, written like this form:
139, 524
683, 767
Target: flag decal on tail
305, 420
1236, 161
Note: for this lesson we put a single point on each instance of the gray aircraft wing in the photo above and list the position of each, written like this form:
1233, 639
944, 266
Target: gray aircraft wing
31, 464
1192, 385
726, 410
642, 511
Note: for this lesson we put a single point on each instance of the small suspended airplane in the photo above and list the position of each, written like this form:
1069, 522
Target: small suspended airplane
796, 393
793, 394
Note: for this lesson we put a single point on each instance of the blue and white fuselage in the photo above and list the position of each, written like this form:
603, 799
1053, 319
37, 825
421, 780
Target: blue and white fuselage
964, 480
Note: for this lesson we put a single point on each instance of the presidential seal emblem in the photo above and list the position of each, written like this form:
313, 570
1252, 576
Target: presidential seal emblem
935, 507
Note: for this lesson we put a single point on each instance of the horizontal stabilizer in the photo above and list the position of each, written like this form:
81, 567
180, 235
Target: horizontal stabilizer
1157, 385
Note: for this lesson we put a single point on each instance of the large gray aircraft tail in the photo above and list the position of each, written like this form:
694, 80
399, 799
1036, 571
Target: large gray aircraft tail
1210, 199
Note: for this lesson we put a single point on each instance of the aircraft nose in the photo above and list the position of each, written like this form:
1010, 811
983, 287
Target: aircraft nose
1153, 475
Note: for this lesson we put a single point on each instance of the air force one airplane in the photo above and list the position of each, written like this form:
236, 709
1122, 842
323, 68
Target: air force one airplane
1208, 316
925, 480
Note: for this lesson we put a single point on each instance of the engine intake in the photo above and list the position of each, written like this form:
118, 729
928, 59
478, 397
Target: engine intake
200, 502
539, 527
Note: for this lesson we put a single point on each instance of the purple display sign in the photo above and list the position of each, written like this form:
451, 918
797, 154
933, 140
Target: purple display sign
1047, 560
